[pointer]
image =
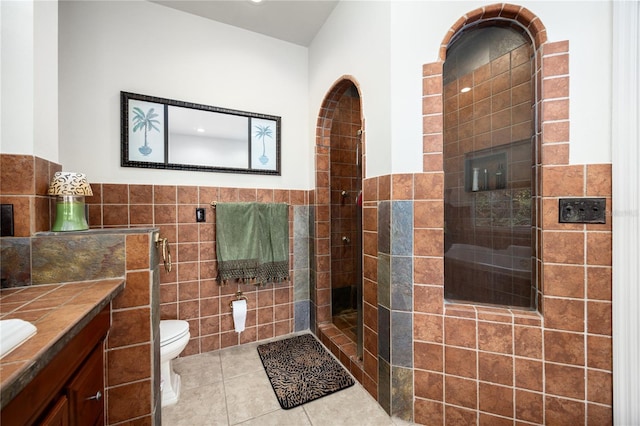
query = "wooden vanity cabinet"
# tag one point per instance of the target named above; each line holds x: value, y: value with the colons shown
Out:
x: 70, y: 388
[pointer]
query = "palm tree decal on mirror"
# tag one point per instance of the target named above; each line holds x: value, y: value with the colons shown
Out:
x: 261, y: 133
x: 148, y: 123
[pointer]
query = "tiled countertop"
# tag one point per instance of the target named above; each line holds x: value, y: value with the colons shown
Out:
x: 59, y: 312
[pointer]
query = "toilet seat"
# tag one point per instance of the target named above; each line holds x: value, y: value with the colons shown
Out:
x: 172, y: 330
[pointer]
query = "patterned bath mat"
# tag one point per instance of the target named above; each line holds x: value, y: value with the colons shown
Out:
x: 300, y: 370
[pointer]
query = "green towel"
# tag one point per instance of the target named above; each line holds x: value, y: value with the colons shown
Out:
x: 274, y: 255
x: 252, y: 242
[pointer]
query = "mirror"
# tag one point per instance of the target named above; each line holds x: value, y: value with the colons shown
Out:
x: 168, y: 134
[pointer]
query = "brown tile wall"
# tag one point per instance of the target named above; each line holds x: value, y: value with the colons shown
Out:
x: 190, y: 291
x: 345, y: 176
x: 493, y: 365
x: 132, y: 354
x: 24, y: 182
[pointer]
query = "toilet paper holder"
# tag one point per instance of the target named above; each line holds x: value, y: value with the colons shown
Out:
x: 239, y: 296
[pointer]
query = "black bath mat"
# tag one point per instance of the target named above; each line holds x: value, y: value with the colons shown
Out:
x: 300, y: 370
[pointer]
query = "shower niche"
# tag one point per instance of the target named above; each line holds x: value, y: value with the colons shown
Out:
x: 485, y: 170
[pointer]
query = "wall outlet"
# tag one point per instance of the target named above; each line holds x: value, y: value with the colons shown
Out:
x: 582, y: 210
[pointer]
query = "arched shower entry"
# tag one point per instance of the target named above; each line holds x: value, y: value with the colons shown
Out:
x: 338, y: 211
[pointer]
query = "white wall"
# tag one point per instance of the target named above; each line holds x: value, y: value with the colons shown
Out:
x: 29, y: 82
x: 17, y: 77
x: 146, y: 48
x: 29, y: 86
x: 413, y: 31
x: 355, y: 41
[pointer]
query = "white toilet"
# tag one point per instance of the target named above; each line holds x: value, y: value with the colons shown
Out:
x: 174, y: 336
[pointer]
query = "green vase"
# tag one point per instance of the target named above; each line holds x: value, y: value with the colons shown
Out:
x: 70, y: 214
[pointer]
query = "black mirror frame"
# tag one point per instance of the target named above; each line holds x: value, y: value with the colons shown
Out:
x: 125, y: 97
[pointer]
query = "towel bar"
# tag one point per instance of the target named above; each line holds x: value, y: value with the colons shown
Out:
x: 213, y: 204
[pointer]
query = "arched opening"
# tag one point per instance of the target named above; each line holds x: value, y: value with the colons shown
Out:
x: 489, y: 164
x: 338, y: 212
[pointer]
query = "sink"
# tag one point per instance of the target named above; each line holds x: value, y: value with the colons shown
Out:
x: 14, y: 332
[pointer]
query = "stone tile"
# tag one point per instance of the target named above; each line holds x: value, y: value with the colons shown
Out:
x: 401, y: 339
x: 295, y: 416
x: 199, y: 370
x: 239, y: 360
x: 401, y: 283
x: 249, y: 395
x: 384, y: 280
x: 347, y: 407
x: 384, y: 227
x: 200, y: 406
x: 402, y: 228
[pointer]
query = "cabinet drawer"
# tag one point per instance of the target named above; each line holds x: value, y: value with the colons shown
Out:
x: 86, y: 391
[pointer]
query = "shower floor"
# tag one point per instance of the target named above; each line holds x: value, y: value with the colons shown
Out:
x: 347, y: 322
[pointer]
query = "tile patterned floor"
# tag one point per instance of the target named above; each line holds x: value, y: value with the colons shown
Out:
x: 230, y: 387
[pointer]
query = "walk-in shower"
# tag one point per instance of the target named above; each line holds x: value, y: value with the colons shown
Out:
x: 346, y: 216
x: 488, y: 157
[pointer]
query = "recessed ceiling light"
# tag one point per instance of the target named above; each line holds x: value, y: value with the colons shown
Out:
x: 200, y: 130
x: 256, y: 1
x: 465, y: 89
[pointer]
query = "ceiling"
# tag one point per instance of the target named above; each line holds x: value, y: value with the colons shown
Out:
x: 295, y: 21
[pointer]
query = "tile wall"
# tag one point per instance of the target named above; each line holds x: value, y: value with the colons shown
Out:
x: 190, y: 291
x: 346, y: 183
x: 474, y: 364
x: 132, y: 347
x: 494, y: 366
x: 24, y: 182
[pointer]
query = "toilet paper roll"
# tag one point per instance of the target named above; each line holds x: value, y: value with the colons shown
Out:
x: 239, y: 314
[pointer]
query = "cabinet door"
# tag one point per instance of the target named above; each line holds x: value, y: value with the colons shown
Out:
x: 59, y: 414
x: 86, y: 391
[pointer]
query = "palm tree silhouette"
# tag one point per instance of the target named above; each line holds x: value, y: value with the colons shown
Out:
x: 263, y: 132
x: 147, y: 122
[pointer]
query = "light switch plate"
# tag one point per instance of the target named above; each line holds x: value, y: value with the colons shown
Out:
x: 200, y: 215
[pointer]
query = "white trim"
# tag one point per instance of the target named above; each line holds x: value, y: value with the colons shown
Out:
x: 625, y: 212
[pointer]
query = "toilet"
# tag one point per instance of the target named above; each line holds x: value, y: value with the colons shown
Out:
x: 174, y: 336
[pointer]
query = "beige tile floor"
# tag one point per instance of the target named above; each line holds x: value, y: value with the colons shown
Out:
x: 230, y: 387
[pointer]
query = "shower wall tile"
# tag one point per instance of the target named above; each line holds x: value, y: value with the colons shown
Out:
x: 384, y: 385
x: 402, y: 228
x: 384, y: 227
x: 495, y: 399
x: 401, y: 283
x: 384, y: 334
x: 384, y: 280
x: 301, y: 315
x: 402, y: 393
x: 401, y: 339
x: 302, y: 286
x: 384, y: 188
x: 402, y: 186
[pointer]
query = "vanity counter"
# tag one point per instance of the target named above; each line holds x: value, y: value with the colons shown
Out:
x: 59, y: 312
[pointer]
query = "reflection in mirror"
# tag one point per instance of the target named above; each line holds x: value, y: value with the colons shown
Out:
x: 167, y: 134
x: 208, y: 138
